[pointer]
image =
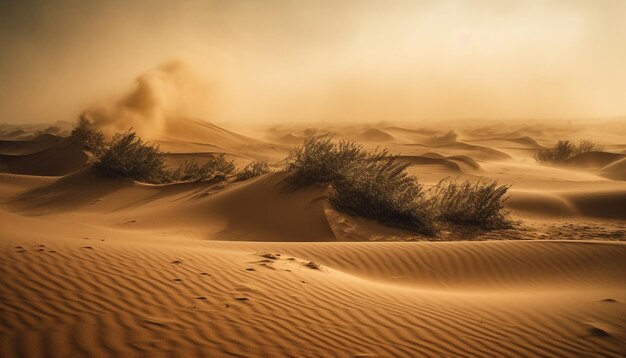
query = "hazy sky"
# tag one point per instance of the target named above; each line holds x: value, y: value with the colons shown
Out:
x: 321, y: 60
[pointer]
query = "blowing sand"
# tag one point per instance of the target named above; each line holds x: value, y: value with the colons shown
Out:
x: 95, y: 266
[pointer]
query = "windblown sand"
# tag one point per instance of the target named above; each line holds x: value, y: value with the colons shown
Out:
x: 96, y: 266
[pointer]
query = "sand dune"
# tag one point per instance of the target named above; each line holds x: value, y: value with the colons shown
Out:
x: 375, y: 135
x: 474, y: 151
x: 25, y: 147
x: 454, y: 163
x: 524, y: 142
x: 121, y: 298
x: 615, y: 170
x: 96, y: 266
x: 65, y: 157
x: 594, y: 160
x: 607, y: 204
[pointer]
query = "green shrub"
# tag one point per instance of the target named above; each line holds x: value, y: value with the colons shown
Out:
x: 479, y: 203
x: 253, y: 170
x: 129, y: 157
x: 565, y: 150
x: 372, y: 185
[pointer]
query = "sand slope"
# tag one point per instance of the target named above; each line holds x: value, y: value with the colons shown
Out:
x: 65, y: 157
x: 129, y: 298
x: 106, y: 267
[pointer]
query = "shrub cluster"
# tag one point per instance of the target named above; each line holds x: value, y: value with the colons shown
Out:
x: 565, y: 150
x: 376, y: 185
x: 128, y: 156
x: 191, y: 170
x: 253, y: 170
x: 480, y: 203
x: 372, y: 185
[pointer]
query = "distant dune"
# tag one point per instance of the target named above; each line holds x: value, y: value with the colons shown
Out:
x: 375, y: 135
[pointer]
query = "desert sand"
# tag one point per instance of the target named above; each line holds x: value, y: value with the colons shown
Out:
x: 95, y: 266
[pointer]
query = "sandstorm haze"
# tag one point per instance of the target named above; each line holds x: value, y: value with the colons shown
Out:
x: 306, y: 61
x: 312, y: 178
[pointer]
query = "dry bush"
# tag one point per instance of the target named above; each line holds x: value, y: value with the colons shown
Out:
x: 253, y: 170
x: 479, y: 203
x: 586, y: 145
x: 128, y: 156
x: 191, y: 170
x: 321, y: 161
x: 565, y: 150
x: 371, y: 185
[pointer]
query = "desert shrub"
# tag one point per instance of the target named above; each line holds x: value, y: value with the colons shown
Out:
x: 371, y: 185
x: 586, y: 145
x: 321, y: 161
x: 565, y: 150
x: 191, y: 170
x: 92, y: 140
x: 220, y: 166
x: 253, y: 170
x: 130, y: 157
x: 479, y: 203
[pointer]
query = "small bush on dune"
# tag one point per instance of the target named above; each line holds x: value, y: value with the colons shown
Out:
x: 586, y: 145
x: 129, y: 157
x: 321, y: 161
x: 379, y: 188
x: 253, y: 170
x: 191, y: 170
x: 565, y: 150
x: 219, y: 165
x: 372, y: 185
x: 479, y: 203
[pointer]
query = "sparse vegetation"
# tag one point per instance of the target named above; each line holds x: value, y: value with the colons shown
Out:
x: 372, y: 185
x: 565, y: 150
x: 479, y: 203
x: 376, y: 185
x: 253, y: 170
x: 130, y: 157
x: 191, y: 170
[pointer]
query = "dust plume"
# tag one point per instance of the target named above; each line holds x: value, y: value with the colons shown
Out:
x: 160, y: 96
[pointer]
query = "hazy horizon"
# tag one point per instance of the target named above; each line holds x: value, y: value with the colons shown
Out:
x: 366, y: 61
